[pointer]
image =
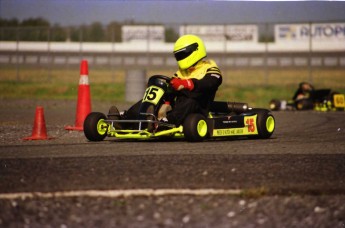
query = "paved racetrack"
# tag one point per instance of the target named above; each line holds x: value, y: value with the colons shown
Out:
x: 294, y: 179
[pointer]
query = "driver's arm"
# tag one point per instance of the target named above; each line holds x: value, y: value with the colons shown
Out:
x: 211, y: 81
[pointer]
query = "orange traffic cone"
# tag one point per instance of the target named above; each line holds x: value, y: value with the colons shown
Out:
x: 84, y: 100
x: 39, y: 131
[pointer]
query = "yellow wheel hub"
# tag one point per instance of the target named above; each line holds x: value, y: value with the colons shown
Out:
x: 202, y: 128
x: 270, y: 124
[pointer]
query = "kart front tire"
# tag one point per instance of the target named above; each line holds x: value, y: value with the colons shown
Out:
x: 195, y: 128
x: 95, y: 129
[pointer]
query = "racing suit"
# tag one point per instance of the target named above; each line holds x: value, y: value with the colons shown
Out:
x: 305, y: 91
x: 206, y: 77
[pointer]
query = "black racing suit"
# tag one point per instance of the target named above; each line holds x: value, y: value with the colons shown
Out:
x: 200, y: 98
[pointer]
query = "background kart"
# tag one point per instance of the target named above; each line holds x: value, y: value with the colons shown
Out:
x: 319, y: 100
x: 226, y: 119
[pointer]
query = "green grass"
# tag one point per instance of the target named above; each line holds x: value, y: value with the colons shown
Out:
x: 32, y: 90
x: 256, y: 87
x: 253, y: 95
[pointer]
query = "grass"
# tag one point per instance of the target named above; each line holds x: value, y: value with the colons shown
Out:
x: 32, y: 90
x: 256, y: 87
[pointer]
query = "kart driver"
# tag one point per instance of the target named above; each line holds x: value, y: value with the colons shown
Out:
x: 196, y: 80
x: 194, y: 84
x: 304, y: 91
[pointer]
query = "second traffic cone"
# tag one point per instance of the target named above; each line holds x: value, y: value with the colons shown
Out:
x: 84, y: 99
x: 39, y: 130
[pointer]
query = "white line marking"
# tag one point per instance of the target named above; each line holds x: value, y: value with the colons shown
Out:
x: 120, y: 193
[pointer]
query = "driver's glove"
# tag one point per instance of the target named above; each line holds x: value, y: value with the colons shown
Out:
x: 179, y: 84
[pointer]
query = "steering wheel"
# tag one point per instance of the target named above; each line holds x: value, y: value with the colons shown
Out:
x: 163, y: 77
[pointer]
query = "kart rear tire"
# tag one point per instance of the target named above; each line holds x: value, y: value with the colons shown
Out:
x: 275, y: 105
x: 304, y: 104
x: 95, y: 129
x: 195, y: 128
x: 265, y: 123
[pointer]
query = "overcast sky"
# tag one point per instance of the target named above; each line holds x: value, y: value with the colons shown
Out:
x: 76, y: 12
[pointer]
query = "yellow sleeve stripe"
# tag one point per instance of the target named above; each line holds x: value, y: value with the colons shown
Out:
x: 213, y: 70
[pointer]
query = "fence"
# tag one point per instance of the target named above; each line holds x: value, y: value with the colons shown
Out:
x: 52, y: 49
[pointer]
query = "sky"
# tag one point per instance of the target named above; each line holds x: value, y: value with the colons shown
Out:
x: 78, y: 12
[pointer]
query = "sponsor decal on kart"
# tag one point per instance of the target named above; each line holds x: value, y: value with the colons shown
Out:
x: 228, y: 132
x: 249, y: 129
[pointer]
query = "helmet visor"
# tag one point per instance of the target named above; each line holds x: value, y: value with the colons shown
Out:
x: 185, y: 52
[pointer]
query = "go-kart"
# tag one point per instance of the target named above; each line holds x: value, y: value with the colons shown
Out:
x: 225, y: 119
x: 319, y: 100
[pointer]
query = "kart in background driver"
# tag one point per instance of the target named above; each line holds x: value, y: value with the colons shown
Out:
x: 320, y: 100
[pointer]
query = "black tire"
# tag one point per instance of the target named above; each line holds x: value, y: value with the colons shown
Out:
x: 304, y: 104
x: 275, y: 105
x: 94, y: 127
x: 265, y: 123
x: 195, y: 128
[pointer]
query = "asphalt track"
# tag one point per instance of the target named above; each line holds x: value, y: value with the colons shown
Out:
x: 294, y: 179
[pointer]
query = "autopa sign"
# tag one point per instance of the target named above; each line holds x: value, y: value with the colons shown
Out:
x: 295, y: 32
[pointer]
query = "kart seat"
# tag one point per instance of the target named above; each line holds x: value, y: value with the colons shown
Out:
x: 320, y: 95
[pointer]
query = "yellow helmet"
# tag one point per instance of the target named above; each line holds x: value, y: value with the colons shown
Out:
x: 188, y: 50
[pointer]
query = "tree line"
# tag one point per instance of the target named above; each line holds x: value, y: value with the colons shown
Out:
x: 39, y: 29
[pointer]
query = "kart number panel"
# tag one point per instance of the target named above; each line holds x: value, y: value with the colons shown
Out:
x: 153, y: 94
x: 339, y: 100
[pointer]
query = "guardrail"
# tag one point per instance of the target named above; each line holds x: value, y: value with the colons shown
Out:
x: 142, y: 54
x: 154, y: 60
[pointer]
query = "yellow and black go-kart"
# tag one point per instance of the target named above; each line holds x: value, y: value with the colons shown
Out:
x: 323, y: 100
x: 226, y: 119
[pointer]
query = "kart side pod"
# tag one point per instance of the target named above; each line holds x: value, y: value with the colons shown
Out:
x: 255, y: 123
